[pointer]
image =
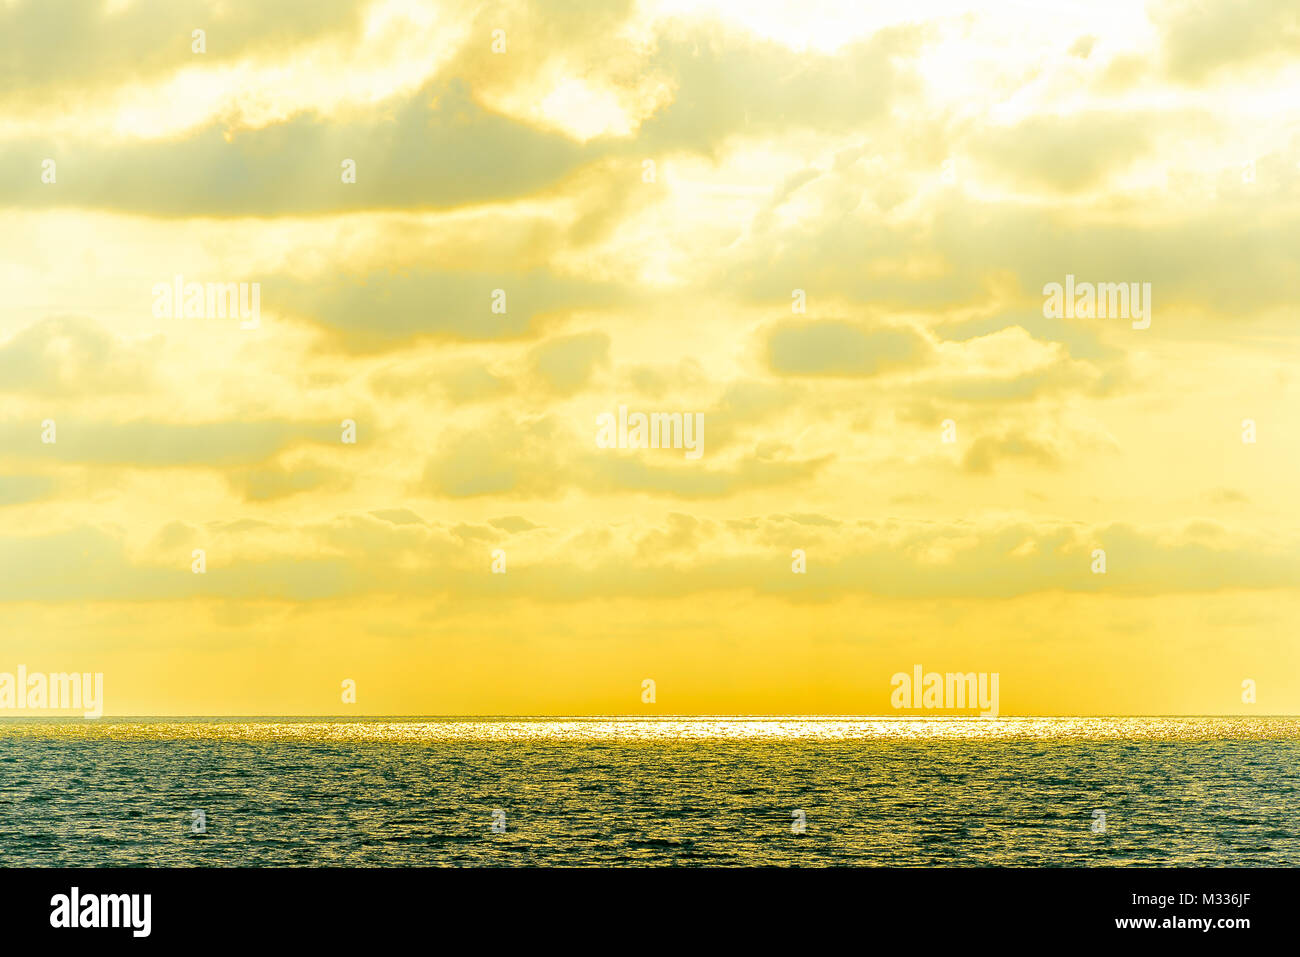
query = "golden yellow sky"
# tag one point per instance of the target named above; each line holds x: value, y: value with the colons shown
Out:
x: 657, y: 189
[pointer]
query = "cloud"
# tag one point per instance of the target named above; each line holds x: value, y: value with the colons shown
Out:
x: 782, y: 165
x: 1082, y: 46
x: 987, y: 451
x: 398, y: 516
x: 72, y: 355
x: 748, y: 407
x: 514, y: 524
x: 152, y: 444
x: 832, y: 347
x: 1227, y: 496
x: 52, y: 45
x: 1201, y: 38
x: 278, y: 482
x: 1207, y: 258
x: 19, y: 489
x: 175, y: 535
x: 975, y: 375
x: 475, y: 533
x: 502, y: 458
x: 541, y: 458
x: 1070, y: 152
x: 1226, y: 257
x: 436, y: 149
x: 808, y: 518
x: 656, y: 382
x: 566, y: 364
x: 463, y: 383
x: 383, y: 311
x: 355, y: 556
x: 733, y: 84
x: 615, y: 474
x: 1080, y: 340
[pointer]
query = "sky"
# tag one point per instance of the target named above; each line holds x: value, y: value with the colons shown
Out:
x: 823, y: 230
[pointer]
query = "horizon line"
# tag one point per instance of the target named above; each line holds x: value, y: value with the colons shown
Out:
x: 648, y: 717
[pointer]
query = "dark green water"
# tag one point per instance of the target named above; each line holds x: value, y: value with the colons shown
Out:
x: 673, y: 792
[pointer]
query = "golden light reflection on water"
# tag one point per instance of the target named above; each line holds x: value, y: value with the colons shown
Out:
x: 662, y: 729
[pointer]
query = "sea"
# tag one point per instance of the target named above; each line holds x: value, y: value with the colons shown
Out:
x: 652, y: 792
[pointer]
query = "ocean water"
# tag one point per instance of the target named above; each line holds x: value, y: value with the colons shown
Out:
x: 688, y: 791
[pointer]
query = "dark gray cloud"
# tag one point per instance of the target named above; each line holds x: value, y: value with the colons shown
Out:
x: 87, y: 563
x: 1067, y: 153
x: 731, y: 84
x: 988, y: 450
x: 72, y: 355
x: 539, y: 458
x: 1202, y: 37
x: 382, y: 311
x: 49, y: 46
x: 566, y: 363
x: 833, y: 347
x: 151, y: 444
x: 18, y: 489
x: 440, y: 148
x: 1221, y: 256
x: 273, y: 482
x: 435, y: 149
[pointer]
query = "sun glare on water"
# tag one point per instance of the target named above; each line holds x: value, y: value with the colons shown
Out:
x: 665, y: 729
